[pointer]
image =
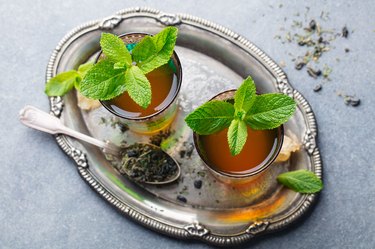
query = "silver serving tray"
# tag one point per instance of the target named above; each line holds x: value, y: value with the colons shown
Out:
x: 213, y: 59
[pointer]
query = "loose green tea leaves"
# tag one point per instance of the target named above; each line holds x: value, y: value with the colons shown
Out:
x: 114, y: 48
x: 237, y: 135
x: 62, y: 83
x: 164, y: 44
x: 316, y: 39
x: 245, y: 95
x: 103, y: 82
x: 138, y: 86
x: 302, y: 181
x: 270, y: 111
x: 144, y: 163
x: 211, y: 117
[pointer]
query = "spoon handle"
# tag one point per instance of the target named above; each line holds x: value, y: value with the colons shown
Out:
x: 40, y: 120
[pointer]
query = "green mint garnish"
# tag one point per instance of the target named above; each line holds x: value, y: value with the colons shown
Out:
x: 237, y: 135
x: 245, y: 96
x: 270, y: 111
x: 64, y: 82
x: 114, y: 49
x: 84, y: 68
x: 260, y: 112
x: 143, y: 49
x: 211, y: 117
x: 138, y: 86
x: 120, y: 70
x: 155, y: 51
x: 302, y: 181
x: 103, y: 82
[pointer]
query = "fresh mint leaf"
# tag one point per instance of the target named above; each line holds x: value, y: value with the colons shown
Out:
x: 144, y: 49
x: 245, y: 96
x: 84, y: 68
x: 237, y: 135
x: 103, y: 82
x: 164, y: 45
x: 138, y: 86
x: 119, y: 65
x: 62, y: 83
x: 302, y: 181
x: 114, y: 48
x: 270, y: 111
x: 211, y: 117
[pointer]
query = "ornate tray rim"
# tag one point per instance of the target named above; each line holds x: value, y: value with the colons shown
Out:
x: 194, y: 230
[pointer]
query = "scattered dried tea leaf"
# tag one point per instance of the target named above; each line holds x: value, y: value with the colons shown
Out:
x: 201, y: 173
x: 299, y: 65
x: 313, y: 73
x: 315, y: 41
x: 181, y: 198
x: 158, y: 138
x: 198, y: 184
x: 87, y: 104
x: 143, y: 163
x: 326, y: 71
x: 317, y: 88
x: 351, y: 100
x: 345, y: 32
x: 289, y: 145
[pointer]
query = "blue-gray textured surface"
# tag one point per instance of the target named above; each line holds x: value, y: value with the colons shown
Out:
x: 45, y: 204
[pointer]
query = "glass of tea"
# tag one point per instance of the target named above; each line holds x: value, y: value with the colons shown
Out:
x: 260, y: 150
x: 165, y: 85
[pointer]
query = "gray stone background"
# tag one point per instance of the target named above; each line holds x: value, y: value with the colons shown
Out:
x: 45, y: 204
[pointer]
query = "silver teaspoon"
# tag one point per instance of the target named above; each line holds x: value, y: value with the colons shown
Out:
x: 42, y: 121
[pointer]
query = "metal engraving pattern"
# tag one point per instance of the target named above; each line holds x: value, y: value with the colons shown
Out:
x: 168, y: 19
x: 110, y: 22
x: 257, y: 227
x: 195, y: 229
x: 56, y: 106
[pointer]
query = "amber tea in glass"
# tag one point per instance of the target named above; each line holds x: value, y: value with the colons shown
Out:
x: 165, y: 84
x: 260, y: 150
x: 257, y: 150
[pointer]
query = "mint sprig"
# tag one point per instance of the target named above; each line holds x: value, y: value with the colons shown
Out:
x: 260, y: 112
x: 302, y: 181
x: 120, y: 70
x: 66, y: 81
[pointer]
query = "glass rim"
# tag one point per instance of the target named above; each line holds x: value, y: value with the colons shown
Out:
x: 179, y: 83
x: 252, y: 172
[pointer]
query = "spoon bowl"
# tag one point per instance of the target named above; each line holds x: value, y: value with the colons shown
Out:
x: 42, y: 121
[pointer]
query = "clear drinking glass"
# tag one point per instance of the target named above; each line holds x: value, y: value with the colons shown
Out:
x: 163, y: 116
